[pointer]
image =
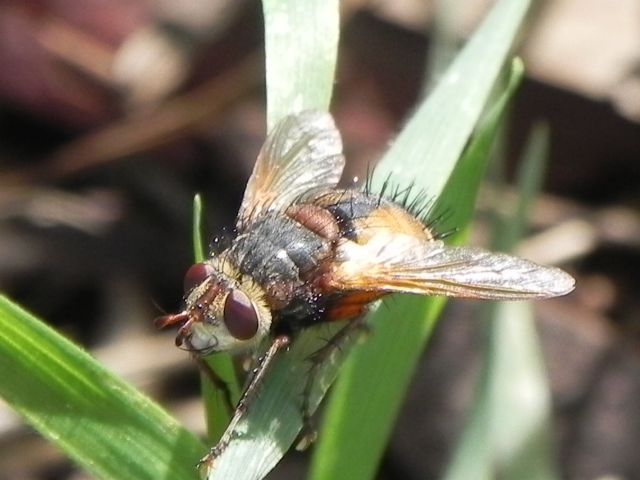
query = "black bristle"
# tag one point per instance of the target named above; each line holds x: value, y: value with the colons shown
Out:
x: 416, y: 201
x: 367, y: 181
x: 385, y: 185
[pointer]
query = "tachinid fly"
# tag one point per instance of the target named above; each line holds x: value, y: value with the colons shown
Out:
x: 306, y: 252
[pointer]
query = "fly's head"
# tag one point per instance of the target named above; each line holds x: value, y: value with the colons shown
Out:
x: 223, y: 311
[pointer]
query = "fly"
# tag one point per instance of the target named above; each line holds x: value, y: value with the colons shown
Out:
x: 306, y: 252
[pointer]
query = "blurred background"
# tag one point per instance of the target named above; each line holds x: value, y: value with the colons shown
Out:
x: 114, y: 113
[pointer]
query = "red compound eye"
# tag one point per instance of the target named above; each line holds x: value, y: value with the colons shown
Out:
x: 240, y: 315
x: 196, y: 274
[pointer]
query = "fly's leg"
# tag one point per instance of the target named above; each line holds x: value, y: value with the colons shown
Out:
x: 279, y: 343
x: 317, y: 359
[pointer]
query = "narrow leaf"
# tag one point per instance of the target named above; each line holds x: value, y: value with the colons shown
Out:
x: 273, y: 422
x: 530, y: 177
x: 102, y: 423
x: 301, y: 50
x: 508, y: 434
x: 428, y: 148
x: 217, y: 408
x: 373, y: 382
x: 301, y: 41
x: 198, y: 248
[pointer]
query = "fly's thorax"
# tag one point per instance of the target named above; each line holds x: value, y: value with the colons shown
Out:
x: 279, y: 248
x: 224, y: 310
x: 317, y: 219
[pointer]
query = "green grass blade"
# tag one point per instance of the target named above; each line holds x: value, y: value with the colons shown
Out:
x: 301, y: 50
x: 444, y: 42
x: 217, y: 410
x: 372, y: 384
x: 102, y: 423
x: 273, y: 422
x: 521, y: 401
x: 428, y: 148
x: 459, y: 196
x: 198, y: 248
x: 530, y: 177
x: 301, y: 41
x: 353, y: 442
x: 523, y: 442
x: 508, y: 435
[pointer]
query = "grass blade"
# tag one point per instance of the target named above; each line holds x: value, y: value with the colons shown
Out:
x: 458, y: 198
x: 352, y: 442
x: 301, y: 41
x: 530, y: 177
x: 500, y: 439
x: 273, y: 422
x: 217, y: 410
x: 427, y: 149
x: 102, y: 423
x: 301, y: 50
x: 198, y: 247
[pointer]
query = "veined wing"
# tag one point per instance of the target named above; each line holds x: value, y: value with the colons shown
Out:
x: 302, y: 153
x: 401, y: 263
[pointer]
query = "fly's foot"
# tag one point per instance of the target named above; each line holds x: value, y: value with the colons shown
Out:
x: 307, y: 435
x: 207, y: 463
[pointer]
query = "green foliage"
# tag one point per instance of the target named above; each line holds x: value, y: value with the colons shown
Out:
x: 217, y: 409
x: 105, y: 425
x: 301, y: 41
x: 373, y: 382
x: 499, y: 441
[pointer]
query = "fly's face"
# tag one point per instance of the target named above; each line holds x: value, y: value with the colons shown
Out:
x: 221, y: 313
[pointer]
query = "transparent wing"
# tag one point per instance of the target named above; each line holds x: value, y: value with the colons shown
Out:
x: 400, y: 263
x: 302, y: 153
